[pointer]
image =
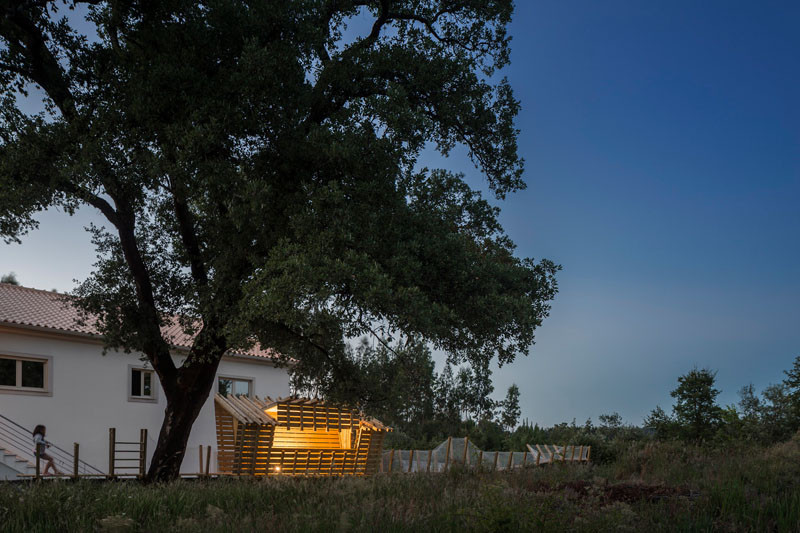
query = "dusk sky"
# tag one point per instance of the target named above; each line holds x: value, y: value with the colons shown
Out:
x: 662, y: 142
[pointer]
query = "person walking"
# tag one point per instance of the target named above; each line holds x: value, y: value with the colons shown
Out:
x: 40, y: 450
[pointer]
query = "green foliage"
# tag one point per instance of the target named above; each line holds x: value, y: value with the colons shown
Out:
x: 664, y: 425
x: 772, y: 417
x: 486, y: 434
x: 695, y: 415
x: 10, y: 278
x: 792, y: 386
x: 608, y: 440
x: 267, y: 180
x: 259, y: 176
x: 510, y: 408
x: 398, y: 385
x: 696, y: 411
x: 649, y: 487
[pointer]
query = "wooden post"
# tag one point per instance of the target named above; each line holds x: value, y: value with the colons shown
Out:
x: 254, y: 453
x: 572, y: 458
x: 200, y: 450
x: 112, y: 442
x: 480, y: 459
x: 588, y: 453
x: 391, y: 460
x: 564, y: 454
x: 538, y: 454
x: 466, y: 447
x: 510, y: 460
x: 430, y: 455
x: 524, y: 458
x: 447, y: 454
x: 142, y: 452
x: 208, y: 459
x: 496, y: 455
x: 530, y: 449
x: 75, y: 450
x: 410, y: 461
x: 580, y: 454
x: 38, y: 465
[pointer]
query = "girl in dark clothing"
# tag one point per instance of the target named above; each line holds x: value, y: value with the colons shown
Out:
x: 40, y: 449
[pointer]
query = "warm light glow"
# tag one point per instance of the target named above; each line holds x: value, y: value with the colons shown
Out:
x: 277, y: 468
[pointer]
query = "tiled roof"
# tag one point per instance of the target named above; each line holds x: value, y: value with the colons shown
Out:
x: 50, y: 310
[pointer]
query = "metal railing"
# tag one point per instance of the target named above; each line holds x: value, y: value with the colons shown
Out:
x: 19, y: 440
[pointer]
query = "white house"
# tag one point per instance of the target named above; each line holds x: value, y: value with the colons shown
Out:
x: 53, y: 372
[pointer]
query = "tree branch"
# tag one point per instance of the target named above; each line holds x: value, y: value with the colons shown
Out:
x: 22, y: 34
x: 154, y: 345
x: 186, y: 228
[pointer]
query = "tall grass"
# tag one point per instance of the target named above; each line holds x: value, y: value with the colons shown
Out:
x: 650, y: 487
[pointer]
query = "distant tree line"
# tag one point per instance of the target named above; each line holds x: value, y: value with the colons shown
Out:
x: 772, y: 416
x: 398, y: 384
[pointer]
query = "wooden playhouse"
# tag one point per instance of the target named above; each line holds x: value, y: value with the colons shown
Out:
x: 294, y: 436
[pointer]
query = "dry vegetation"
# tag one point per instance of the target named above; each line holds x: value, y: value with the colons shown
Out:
x: 653, y: 487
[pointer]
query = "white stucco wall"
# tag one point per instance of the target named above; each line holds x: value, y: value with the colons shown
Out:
x: 90, y: 395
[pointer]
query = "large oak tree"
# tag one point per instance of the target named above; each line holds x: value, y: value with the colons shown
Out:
x: 257, y: 166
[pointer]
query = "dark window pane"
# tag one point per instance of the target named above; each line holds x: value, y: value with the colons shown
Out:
x: 33, y: 374
x: 148, y: 389
x: 136, y: 383
x: 225, y: 386
x: 8, y: 372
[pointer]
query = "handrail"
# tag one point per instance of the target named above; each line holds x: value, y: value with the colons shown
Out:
x: 64, y: 457
x: 20, y: 447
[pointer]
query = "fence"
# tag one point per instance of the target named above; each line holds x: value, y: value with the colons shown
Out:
x: 458, y: 451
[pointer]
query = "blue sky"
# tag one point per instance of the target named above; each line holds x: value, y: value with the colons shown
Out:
x: 662, y: 142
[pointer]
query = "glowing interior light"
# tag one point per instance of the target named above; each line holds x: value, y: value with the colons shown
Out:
x: 277, y: 468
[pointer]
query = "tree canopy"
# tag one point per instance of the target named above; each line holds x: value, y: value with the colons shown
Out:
x: 10, y: 278
x: 258, y: 168
x: 695, y: 415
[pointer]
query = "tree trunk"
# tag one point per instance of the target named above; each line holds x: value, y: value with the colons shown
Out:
x: 184, y: 403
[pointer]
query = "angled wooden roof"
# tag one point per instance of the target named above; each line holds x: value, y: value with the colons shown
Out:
x: 374, y: 424
x: 245, y: 409
x: 253, y: 410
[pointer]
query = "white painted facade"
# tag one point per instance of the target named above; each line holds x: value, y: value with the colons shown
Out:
x: 90, y: 392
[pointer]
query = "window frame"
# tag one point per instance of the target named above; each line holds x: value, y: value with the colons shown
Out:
x: 154, y: 385
x: 47, y: 378
x: 251, y: 380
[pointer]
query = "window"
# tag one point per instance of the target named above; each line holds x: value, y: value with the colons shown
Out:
x: 24, y: 373
x: 142, y: 383
x: 235, y: 386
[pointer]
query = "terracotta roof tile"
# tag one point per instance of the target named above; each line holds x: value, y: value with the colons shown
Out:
x: 50, y: 310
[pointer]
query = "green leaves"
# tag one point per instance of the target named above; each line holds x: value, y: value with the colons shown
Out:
x: 258, y: 168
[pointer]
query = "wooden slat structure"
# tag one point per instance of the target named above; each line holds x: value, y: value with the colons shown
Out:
x: 294, y: 436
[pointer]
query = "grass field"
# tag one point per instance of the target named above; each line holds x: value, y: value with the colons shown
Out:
x: 650, y: 487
